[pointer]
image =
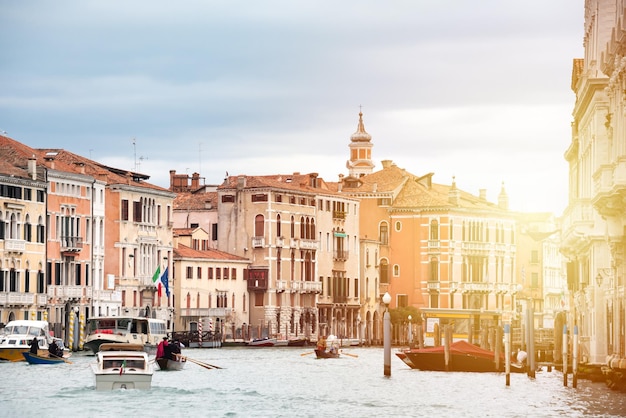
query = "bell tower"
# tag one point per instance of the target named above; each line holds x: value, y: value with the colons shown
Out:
x: 360, y: 162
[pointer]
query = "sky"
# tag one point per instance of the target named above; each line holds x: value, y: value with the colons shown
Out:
x: 475, y: 91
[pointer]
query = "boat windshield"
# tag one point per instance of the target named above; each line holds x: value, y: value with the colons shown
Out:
x: 24, y: 330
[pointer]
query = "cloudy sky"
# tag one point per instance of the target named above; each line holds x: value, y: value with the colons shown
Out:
x: 476, y: 90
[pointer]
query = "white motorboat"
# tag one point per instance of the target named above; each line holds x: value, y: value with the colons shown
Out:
x: 15, y: 338
x: 125, y: 329
x: 122, y: 366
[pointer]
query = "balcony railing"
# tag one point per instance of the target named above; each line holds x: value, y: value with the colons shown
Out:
x: 281, y: 285
x: 258, y: 242
x: 341, y: 255
x: 206, y: 312
x: 339, y: 214
x: 71, y: 243
x: 308, y: 244
x: 66, y: 292
x: 15, y: 245
x: 17, y: 298
x: 280, y: 241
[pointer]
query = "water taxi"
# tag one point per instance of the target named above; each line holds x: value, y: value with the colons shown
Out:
x: 15, y: 338
x: 122, y: 366
x: 147, y: 332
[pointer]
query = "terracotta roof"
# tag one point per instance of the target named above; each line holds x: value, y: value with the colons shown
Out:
x: 294, y: 182
x: 14, y: 158
x: 195, y: 201
x: 411, y: 191
x: 64, y: 160
x: 182, y: 251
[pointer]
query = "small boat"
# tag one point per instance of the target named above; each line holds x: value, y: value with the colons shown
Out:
x: 125, y: 329
x: 177, y: 363
x: 42, y: 358
x: 16, y: 337
x: 262, y: 342
x: 328, y: 348
x: 122, y: 366
x: 463, y: 357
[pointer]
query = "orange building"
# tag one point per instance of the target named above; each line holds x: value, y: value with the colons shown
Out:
x: 437, y: 246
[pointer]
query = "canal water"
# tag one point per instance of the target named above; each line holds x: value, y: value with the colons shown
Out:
x: 290, y: 382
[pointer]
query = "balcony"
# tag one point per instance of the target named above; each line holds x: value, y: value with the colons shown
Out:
x: 475, y: 247
x: 281, y: 285
x: 280, y: 242
x: 17, y: 298
x: 66, y: 292
x: 206, y: 312
x: 258, y: 242
x: 339, y: 214
x: 15, y: 245
x: 340, y: 255
x: 71, y: 244
x: 109, y: 296
x: 310, y: 287
x: 433, y: 286
x: 308, y: 244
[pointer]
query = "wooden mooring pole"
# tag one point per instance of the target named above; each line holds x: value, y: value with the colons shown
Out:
x: 507, y: 353
x: 564, y: 355
x: 575, y: 358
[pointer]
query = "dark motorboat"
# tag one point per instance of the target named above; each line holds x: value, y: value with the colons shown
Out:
x: 463, y: 357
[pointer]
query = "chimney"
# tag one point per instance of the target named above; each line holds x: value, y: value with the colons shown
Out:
x: 454, y: 194
x: 32, y: 167
x: 195, y: 181
x: 386, y: 163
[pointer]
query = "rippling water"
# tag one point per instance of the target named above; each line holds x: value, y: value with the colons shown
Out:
x: 288, y: 382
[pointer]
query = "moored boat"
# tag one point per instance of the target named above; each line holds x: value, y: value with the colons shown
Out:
x: 122, y: 366
x: 297, y: 342
x: 17, y: 336
x: 262, y: 342
x: 125, y: 329
x: 463, y: 357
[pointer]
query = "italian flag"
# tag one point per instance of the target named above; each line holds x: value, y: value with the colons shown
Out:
x: 122, y: 367
x: 161, y: 281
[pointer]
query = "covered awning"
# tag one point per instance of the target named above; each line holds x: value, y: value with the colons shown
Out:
x: 340, y: 234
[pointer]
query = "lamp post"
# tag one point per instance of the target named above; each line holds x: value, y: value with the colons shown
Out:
x: 387, y: 334
x: 410, y: 331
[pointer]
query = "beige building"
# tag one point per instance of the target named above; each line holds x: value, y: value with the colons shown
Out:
x: 594, y: 220
x: 22, y: 233
x: 300, y: 237
x: 209, y: 286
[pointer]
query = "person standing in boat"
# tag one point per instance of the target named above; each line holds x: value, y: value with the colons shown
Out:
x: 174, y: 350
x: 34, y: 346
x: 55, y: 350
x: 160, y: 353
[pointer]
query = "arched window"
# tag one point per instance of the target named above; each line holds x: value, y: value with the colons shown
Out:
x: 293, y: 227
x: 434, y: 230
x: 384, y: 271
x: 278, y: 226
x: 384, y: 233
x: 259, y: 224
x: 302, y: 232
x: 434, y: 270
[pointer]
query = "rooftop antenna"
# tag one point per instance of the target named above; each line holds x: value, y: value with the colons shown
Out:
x: 199, y: 157
x: 135, y: 153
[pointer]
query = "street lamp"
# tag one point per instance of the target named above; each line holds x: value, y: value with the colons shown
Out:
x: 387, y: 334
x: 599, y: 280
x: 410, y: 331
